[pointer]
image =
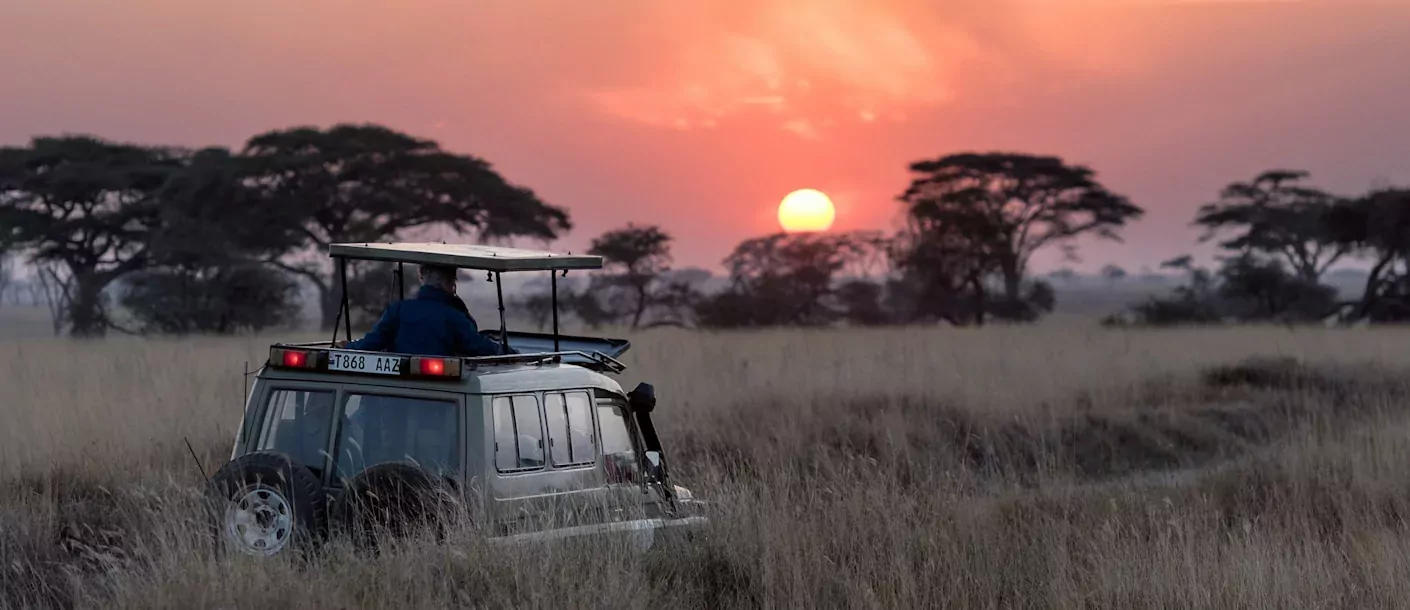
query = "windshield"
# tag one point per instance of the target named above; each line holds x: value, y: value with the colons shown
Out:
x: 378, y: 429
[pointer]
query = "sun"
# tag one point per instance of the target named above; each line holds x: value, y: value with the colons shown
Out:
x: 806, y: 210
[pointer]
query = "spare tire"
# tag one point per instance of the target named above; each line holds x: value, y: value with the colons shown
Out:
x: 266, y: 502
x: 392, y: 498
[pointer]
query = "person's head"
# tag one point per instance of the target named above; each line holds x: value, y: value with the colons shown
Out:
x: 438, y: 276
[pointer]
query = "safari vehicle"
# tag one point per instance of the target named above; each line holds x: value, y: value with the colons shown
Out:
x: 540, y: 444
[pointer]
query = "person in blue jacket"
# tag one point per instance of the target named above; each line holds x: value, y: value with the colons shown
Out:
x: 435, y: 323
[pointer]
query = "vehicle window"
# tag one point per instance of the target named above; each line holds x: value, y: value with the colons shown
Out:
x: 300, y: 422
x: 570, y: 437
x: 518, y: 439
x: 617, y: 451
x: 379, y: 429
x: 580, y: 429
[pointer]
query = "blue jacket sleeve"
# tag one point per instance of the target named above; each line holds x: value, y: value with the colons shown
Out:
x: 383, y: 335
x: 469, y: 341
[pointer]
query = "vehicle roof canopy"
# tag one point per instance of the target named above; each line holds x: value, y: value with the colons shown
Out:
x: 465, y: 256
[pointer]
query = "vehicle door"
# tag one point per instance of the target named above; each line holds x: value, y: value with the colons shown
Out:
x: 378, y: 424
x: 623, y: 456
x: 544, y: 455
x: 295, y: 418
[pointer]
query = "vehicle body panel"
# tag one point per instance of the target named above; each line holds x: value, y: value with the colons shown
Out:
x: 518, y: 504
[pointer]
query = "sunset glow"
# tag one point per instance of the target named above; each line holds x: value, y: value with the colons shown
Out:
x: 806, y: 210
x: 699, y: 116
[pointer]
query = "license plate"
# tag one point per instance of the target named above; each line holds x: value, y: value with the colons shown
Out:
x: 355, y: 362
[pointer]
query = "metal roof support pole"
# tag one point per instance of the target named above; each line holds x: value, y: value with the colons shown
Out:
x: 342, y: 268
x: 401, y: 281
x: 347, y: 303
x: 392, y: 290
x: 553, y: 282
x: 503, y: 327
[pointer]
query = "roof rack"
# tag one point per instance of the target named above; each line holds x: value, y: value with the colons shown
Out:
x: 466, y: 256
x: 494, y: 259
x: 598, y: 359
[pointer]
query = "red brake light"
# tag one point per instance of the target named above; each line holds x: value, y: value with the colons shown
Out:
x: 433, y: 366
x: 295, y: 359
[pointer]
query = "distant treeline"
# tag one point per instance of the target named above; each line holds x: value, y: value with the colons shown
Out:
x: 215, y: 241
x: 1280, y: 237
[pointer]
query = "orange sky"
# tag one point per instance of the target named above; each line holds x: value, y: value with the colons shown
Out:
x: 700, y: 115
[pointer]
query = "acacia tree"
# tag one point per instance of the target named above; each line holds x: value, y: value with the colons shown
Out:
x: 366, y: 183
x: 1275, y: 216
x: 1254, y: 288
x: 1012, y: 205
x: 83, y: 209
x: 206, y: 253
x: 634, y: 259
x: 784, y: 280
x: 1113, y: 273
x: 1378, y: 224
x: 943, y: 259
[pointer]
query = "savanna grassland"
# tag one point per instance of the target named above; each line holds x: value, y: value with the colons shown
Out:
x: 1043, y: 467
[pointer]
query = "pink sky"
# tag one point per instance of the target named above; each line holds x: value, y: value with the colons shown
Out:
x: 699, y: 115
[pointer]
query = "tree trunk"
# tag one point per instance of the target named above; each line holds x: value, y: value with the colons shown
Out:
x: 1013, y: 280
x: 1304, y: 267
x: 1373, y: 280
x: 329, y: 302
x: 1309, y: 274
x: 640, y: 307
x: 85, y: 311
x: 980, y: 300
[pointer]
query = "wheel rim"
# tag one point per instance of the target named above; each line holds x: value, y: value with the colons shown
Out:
x: 259, y: 521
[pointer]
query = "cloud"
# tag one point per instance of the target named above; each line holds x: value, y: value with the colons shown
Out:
x: 867, y: 62
x: 800, y: 61
x: 802, y: 128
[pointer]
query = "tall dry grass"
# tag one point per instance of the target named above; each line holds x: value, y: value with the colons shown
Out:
x: 994, y: 468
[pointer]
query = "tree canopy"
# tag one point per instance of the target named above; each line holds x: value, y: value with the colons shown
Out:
x: 998, y: 209
x: 1276, y: 216
x: 1378, y: 225
x: 634, y: 259
x: 206, y: 253
x: 91, y: 213
x: 364, y: 183
x: 88, y: 208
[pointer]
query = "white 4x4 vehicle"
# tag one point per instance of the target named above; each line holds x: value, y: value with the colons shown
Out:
x: 541, y: 444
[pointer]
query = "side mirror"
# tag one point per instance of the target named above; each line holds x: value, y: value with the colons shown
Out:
x: 656, y: 466
x: 658, y: 475
x: 643, y: 398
